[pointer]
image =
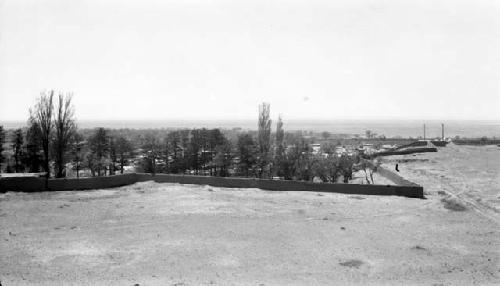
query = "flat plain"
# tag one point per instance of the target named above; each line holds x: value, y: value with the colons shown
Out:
x: 170, y: 234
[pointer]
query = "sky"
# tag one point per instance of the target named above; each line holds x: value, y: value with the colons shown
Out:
x: 130, y: 60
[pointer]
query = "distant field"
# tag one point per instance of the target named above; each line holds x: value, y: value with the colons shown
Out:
x: 169, y: 234
x: 470, y: 172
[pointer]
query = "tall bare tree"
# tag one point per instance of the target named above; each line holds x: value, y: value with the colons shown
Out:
x: 64, y: 123
x: 264, y: 137
x: 41, y: 114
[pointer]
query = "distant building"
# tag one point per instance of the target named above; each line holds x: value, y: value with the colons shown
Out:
x: 340, y: 150
x: 316, y: 148
x: 368, y: 148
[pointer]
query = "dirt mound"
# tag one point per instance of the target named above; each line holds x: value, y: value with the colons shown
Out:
x: 453, y: 204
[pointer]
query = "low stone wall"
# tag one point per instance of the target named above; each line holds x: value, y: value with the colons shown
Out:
x: 31, y: 184
x: 394, y: 177
x: 407, y: 151
x: 413, y: 144
x: 413, y: 191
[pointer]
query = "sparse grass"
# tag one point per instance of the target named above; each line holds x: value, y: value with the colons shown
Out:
x: 418, y: 247
x: 453, y: 204
x: 353, y: 263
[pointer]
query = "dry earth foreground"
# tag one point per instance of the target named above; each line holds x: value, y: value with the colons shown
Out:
x: 170, y: 234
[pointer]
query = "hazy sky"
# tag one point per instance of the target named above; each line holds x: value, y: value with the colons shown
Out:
x: 220, y: 59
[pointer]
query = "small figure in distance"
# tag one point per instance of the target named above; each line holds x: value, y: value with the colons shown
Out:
x: 397, y: 167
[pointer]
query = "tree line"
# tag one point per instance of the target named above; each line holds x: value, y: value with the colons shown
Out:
x: 53, y: 144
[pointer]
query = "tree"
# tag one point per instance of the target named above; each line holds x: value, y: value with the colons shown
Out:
x: 90, y: 161
x: 64, y: 124
x: 99, y: 148
x: 327, y: 169
x: 329, y: 147
x: 264, y: 137
x: 300, y: 163
x: 346, y: 167
x: 176, y: 143
x: 222, y: 159
x: 195, y: 148
x: 42, y: 116
x: 76, y: 146
x: 113, y: 156
x: 368, y: 134
x: 152, y: 148
x: 215, y: 140
x: 17, y: 147
x: 124, y: 151
x: 369, y: 166
x: 33, y: 148
x: 364, y: 165
x: 247, y: 151
x: 2, y: 140
x: 325, y: 135
x: 280, y: 148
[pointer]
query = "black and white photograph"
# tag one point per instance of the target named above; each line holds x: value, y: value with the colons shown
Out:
x: 249, y: 142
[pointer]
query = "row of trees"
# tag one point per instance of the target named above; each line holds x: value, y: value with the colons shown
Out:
x: 50, y: 128
x: 262, y: 155
x: 52, y: 140
x: 52, y: 143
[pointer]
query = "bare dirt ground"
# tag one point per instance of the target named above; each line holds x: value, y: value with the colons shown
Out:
x: 169, y: 234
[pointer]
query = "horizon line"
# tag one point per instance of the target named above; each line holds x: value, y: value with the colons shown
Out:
x: 251, y: 119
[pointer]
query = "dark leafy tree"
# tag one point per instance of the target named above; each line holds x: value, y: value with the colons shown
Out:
x: 90, y: 161
x: 176, y: 143
x: 222, y: 159
x: 113, y: 156
x: 325, y: 135
x: 33, y: 148
x: 2, y: 141
x: 329, y: 147
x: 215, y: 140
x: 124, y: 151
x: 17, y: 148
x: 99, y: 149
x: 195, y: 150
x: 152, y: 147
x: 346, y: 164
x: 247, y: 153
x: 77, y: 156
x: 327, y: 169
x: 300, y: 157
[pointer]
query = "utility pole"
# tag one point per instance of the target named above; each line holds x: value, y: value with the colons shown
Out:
x: 424, y: 131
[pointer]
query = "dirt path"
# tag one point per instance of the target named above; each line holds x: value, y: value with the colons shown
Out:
x: 165, y: 234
